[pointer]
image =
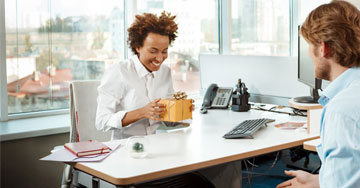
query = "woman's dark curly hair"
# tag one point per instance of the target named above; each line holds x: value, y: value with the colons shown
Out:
x: 150, y: 23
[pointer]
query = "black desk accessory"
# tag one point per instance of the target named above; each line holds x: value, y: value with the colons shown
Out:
x: 240, y: 98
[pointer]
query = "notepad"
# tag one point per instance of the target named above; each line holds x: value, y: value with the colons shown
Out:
x: 86, y: 148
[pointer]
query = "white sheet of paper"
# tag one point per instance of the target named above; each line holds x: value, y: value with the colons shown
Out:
x: 63, y: 155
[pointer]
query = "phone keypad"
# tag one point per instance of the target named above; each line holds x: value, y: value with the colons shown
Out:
x: 222, y: 98
x: 220, y: 101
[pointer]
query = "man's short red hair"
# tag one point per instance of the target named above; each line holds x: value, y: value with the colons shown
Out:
x: 338, y: 25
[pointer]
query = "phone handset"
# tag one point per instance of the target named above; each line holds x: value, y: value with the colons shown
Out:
x: 208, y: 98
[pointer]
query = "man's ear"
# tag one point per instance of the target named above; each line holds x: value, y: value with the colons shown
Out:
x: 324, y: 49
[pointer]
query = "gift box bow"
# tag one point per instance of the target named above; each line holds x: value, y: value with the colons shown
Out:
x: 180, y: 95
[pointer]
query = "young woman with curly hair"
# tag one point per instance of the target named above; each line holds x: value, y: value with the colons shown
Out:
x: 130, y: 90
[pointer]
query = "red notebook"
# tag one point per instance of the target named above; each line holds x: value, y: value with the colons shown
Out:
x: 86, y: 148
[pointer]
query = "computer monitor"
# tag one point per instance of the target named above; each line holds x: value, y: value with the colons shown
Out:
x: 306, y: 73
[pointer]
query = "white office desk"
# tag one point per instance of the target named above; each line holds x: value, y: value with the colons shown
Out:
x: 198, y: 146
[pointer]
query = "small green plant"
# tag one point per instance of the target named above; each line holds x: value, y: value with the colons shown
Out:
x: 138, y: 147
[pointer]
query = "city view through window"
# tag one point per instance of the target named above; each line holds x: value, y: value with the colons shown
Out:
x: 260, y: 27
x: 50, y: 43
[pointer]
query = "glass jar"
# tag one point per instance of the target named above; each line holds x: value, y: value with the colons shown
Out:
x: 138, y: 146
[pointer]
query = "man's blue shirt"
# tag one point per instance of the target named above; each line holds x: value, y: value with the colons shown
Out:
x: 339, y: 150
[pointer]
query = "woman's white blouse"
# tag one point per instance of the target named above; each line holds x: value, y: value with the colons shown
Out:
x: 128, y: 86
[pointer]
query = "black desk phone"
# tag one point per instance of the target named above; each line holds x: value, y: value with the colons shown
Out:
x: 216, y: 97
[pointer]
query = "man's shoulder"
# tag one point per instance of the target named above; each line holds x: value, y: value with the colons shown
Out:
x: 347, y: 101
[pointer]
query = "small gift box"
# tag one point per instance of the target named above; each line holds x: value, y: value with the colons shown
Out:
x: 178, y: 108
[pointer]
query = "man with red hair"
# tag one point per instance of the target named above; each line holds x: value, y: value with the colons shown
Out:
x: 333, y: 33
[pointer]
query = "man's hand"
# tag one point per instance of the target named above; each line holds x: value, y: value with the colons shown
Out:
x: 301, y: 179
x: 153, y: 110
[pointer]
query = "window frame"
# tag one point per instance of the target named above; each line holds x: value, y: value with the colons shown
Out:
x: 3, y: 84
x: 293, y: 29
x: 224, y: 36
x: 224, y: 26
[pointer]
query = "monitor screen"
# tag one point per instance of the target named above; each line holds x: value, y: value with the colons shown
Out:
x: 306, y: 73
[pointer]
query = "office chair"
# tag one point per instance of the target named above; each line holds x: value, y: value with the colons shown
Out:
x: 83, y: 104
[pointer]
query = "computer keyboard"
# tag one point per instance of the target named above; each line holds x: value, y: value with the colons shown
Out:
x: 247, y: 128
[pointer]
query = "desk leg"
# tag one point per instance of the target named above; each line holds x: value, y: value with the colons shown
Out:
x: 82, y: 179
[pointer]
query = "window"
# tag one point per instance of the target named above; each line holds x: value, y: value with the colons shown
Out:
x: 260, y: 27
x: 51, y: 43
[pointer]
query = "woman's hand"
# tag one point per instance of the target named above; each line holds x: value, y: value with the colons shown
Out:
x: 153, y: 110
x: 193, y: 105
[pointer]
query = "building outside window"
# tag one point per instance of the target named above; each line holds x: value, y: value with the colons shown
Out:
x: 260, y: 27
x: 51, y: 43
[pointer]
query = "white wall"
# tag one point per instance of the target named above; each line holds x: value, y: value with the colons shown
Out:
x: 269, y: 76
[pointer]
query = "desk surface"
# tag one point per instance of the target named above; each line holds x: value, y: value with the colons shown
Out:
x: 198, y: 146
x: 311, y: 144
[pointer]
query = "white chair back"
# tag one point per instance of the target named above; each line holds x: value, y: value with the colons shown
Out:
x: 83, y: 104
